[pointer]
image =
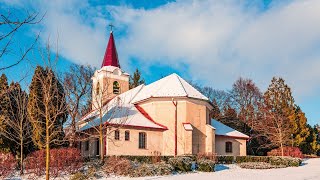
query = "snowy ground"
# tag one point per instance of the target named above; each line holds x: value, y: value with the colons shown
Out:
x: 310, y: 170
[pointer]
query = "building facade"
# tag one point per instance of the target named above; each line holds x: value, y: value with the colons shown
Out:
x: 167, y: 117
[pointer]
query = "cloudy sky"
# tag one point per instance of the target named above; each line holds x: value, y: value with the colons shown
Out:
x: 211, y: 42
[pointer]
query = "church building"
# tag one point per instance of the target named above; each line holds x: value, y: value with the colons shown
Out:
x: 167, y: 117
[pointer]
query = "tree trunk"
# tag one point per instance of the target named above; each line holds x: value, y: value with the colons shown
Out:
x: 21, y: 156
x: 281, y: 146
x: 47, y: 150
x: 101, y: 145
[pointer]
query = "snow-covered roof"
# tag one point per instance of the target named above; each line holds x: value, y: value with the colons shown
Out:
x: 169, y: 86
x: 225, y: 130
x: 121, y: 111
x: 124, y: 108
x: 187, y: 126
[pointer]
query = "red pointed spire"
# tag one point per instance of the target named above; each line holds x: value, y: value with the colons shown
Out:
x: 111, y: 55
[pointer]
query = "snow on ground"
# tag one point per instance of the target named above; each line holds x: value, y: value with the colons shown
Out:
x: 310, y: 170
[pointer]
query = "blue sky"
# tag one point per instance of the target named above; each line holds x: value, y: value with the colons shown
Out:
x: 212, y: 42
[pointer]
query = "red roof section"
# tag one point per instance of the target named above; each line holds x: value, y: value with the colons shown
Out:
x: 111, y: 55
x: 145, y: 114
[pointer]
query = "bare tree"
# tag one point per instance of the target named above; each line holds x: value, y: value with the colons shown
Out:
x: 77, y: 85
x: 246, y: 96
x: 18, y: 128
x: 47, y: 107
x: 10, y: 25
x: 109, y: 113
x: 274, y: 126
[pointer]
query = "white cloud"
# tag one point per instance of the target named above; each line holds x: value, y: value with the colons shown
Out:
x: 218, y: 40
x: 221, y: 41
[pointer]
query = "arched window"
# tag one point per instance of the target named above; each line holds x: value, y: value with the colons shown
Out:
x: 117, y: 135
x: 98, y: 88
x: 228, y: 147
x: 116, y: 87
x: 127, y: 135
x: 142, y: 140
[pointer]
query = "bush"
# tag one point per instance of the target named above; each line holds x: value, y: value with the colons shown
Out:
x: 206, y: 165
x: 259, y: 165
x: 241, y: 159
x: 210, y: 156
x: 157, y: 169
x: 181, y: 164
x: 79, y: 176
x: 63, y: 160
x: 147, y: 159
x: 7, y: 164
x: 118, y: 165
x: 285, y: 161
x: 225, y: 159
x: 287, y: 151
x: 273, y: 160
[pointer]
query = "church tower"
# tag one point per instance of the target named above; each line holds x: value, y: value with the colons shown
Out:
x: 110, y: 80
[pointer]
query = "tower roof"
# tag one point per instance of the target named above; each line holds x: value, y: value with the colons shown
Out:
x: 111, y: 56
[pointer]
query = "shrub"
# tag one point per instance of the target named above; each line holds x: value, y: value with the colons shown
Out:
x: 63, y: 160
x: 259, y: 165
x: 287, y: 151
x: 79, y: 176
x: 206, y: 165
x: 181, y: 164
x: 285, y: 161
x: 273, y: 160
x: 7, y: 164
x: 241, y: 159
x: 157, y: 169
x: 225, y: 159
x: 118, y: 165
x: 210, y: 156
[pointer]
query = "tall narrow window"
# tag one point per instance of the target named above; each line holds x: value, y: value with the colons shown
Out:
x: 116, y: 134
x: 228, y: 147
x: 98, y: 88
x: 127, y: 135
x: 142, y: 140
x: 116, y: 87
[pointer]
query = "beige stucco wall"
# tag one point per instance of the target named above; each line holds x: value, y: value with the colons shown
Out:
x: 191, y: 111
x: 238, y: 146
x: 131, y: 147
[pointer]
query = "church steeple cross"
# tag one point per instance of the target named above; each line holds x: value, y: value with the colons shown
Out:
x: 111, y: 26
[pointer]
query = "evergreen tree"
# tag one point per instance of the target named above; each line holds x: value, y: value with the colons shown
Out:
x: 136, y: 79
x: 310, y: 145
x: 279, y: 98
x: 47, y: 108
x: 215, y: 111
x: 18, y: 131
x: 299, y: 128
x: 4, y: 101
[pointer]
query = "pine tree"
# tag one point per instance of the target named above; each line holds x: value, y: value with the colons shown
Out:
x: 136, y: 79
x: 4, y: 101
x: 18, y: 131
x: 279, y: 98
x: 299, y: 128
x: 47, y: 108
x: 216, y: 114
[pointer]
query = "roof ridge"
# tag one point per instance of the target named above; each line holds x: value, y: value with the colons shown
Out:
x: 184, y: 89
